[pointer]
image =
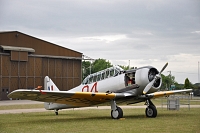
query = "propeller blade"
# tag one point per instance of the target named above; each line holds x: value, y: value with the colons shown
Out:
x: 148, y: 87
x: 163, y: 68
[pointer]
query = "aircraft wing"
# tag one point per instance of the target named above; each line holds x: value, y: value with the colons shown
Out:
x: 81, y: 99
x: 166, y: 93
x: 78, y: 99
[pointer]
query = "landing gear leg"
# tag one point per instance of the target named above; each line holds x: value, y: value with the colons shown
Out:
x: 151, y: 110
x: 56, y: 111
x: 116, y: 112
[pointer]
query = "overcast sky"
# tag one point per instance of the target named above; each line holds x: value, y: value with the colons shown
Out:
x: 146, y: 32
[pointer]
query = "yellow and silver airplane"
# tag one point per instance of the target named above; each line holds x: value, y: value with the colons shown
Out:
x: 112, y: 85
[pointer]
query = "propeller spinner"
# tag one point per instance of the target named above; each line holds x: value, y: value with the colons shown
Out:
x: 157, y: 76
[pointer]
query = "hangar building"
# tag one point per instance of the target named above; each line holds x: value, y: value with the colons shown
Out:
x: 26, y: 60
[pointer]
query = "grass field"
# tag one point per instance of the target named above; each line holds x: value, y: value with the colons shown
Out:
x: 98, y: 121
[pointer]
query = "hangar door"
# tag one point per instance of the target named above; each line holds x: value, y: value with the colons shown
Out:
x: 30, y: 72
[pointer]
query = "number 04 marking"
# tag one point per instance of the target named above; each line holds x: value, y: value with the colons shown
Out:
x: 93, y: 89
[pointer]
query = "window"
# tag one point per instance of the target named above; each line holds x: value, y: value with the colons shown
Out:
x: 102, y: 75
x: 112, y: 72
x: 95, y: 77
x: 116, y: 72
x: 98, y: 76
x: 91, y: 79
x: 107, y: 73
x: 85, y: 81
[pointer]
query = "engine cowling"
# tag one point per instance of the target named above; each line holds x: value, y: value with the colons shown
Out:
x: 145, y: 75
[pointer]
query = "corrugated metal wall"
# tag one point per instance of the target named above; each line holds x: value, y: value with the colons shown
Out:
x: 28, y: 72
x: 66, y: 73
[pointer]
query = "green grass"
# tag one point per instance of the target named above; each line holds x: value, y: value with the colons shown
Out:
x: 97, y: 121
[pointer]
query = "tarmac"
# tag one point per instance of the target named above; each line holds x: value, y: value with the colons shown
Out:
x: 20, y: 102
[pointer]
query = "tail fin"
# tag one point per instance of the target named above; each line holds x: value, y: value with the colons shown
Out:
x: 49, y: 84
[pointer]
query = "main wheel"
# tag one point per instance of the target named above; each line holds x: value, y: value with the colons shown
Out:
x: 151, y: 111
x: 117, y: 114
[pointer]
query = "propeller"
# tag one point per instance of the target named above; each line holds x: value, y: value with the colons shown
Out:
x: 157, y: 76
x: 163, y: 68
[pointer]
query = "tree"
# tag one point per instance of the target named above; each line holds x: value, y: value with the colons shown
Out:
x: 124, y: 67
x: 127, y: 67
x: 167, y: 81
x: 100, y: 64
x: 179, y: 86
x: 92, y: 67
x: 187, y: 84
x: 86, y: 68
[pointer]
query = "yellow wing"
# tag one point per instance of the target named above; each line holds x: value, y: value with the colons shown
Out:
x: 166, y: 93
x: 79, y: 99
x: 83, y: 99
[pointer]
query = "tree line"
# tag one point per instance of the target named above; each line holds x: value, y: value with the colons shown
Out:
x: 168, y: 81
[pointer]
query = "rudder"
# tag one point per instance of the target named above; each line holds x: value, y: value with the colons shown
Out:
x: 49, y: 84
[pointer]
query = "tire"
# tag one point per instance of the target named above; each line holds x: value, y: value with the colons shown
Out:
x: 151, y: 111
x: 117, y: 114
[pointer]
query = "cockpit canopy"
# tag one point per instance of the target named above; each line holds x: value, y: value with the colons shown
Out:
x: 104, y: 74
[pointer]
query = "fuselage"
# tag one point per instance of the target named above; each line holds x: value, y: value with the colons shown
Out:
x: 110, y: 84
x: 115, y: 79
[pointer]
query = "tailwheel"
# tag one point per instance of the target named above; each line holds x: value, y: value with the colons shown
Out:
x: 117, y: 114
x: 151, y: 111
x: 56, y: 111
